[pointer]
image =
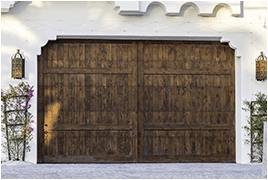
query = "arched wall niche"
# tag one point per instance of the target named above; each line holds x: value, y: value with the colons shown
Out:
x: 185, y: 6
x: 219, y: 6
x: 158, y: 3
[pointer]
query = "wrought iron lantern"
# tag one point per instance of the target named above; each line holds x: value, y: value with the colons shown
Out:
x: 18, y: 65
x: 261, y: 67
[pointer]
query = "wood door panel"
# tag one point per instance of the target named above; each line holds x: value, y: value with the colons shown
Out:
x: 87, y: 107
x: 209, y: 142
x: 95, y: 143
x: 192, y: 97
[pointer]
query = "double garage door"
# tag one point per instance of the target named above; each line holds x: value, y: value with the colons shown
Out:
x: 136, y: 101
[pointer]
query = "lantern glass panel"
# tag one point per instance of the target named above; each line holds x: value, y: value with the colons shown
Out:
x: 18, y: 65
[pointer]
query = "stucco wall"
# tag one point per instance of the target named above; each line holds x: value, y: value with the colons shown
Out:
x: 29, y: 25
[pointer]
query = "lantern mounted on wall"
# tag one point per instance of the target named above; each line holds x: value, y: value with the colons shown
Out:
x: 18, y: 65
x: 261, y: 67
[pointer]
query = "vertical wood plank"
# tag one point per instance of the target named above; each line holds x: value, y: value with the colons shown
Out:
x: 171, y: 143
x: 66, y: 55
x: 93, y: 53
x: 88, y: 55
x: 60, y: 55
x: 99, y: 55
x: 82, y: 56
x: 187, y: 142
x: 181, y: 139
x: 61, y: 143
x: 140, y: 75
x: 52, y: 56
x: 114, y: 57
x: 72, y: 57
x: 119, y: 55
x: 147, y: 56
x: 40, y: 107
x: 198, y: 141
x: 109, y: 55
x: 193, y: 142
x: 83, y: 99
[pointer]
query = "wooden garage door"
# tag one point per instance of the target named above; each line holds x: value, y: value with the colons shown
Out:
x: 135, y: 101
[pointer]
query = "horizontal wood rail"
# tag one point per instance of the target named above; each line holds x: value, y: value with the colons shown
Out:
x: 184, y: 127
x: 170, y: 71
x: 87, y: 71
x: 81, y: 127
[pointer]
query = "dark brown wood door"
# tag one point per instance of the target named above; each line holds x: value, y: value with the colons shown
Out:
x: 136, y: 101
x: 187, y: 109
x: 87, y: 101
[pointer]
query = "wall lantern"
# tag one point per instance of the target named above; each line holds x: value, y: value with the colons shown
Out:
x: 261, y: 67
x: 18, y: 65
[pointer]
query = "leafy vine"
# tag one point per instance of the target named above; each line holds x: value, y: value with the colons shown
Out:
x: 16, y: 123
x: 258, y: 111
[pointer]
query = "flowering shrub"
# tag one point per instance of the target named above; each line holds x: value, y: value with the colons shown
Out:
x: 16, y: 120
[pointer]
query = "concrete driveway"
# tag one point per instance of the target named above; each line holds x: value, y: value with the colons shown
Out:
x: 131, y: 171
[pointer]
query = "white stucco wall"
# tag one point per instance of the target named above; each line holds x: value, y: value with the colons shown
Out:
x: 29, y: 25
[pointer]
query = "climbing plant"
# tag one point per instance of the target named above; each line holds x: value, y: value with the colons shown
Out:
x: 16, y: 123
x: 254, y: 128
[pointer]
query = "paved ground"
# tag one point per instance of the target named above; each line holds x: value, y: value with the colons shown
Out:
x: 131, y: 171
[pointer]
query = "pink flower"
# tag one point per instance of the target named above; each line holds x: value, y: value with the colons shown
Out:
x: 32, y: 121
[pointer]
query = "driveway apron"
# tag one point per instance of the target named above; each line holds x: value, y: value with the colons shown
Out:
x: 131, y: 171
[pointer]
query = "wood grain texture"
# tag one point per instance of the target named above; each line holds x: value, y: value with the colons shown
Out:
x: 136, y: 101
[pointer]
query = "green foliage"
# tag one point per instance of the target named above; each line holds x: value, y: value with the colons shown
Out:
x: 14, y: 111
x: 258, y: 110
